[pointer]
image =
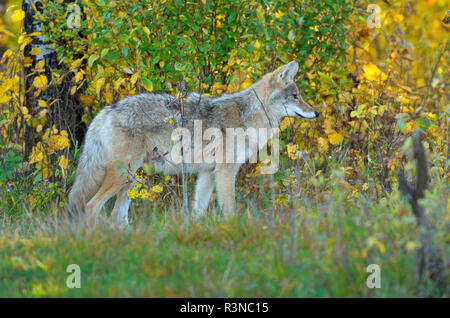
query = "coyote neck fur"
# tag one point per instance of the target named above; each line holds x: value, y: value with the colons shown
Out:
x: 251, y: 103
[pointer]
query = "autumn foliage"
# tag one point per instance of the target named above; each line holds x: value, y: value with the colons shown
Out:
x: 374, y: 75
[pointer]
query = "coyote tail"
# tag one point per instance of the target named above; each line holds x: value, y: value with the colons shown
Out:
x: 89, y: 175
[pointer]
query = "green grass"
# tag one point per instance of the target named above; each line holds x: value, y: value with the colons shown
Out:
x: 315, y: 249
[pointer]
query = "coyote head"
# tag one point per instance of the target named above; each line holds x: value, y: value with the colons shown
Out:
x: 284, y: 98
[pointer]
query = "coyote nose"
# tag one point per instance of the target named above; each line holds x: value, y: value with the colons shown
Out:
x: 317, y: 114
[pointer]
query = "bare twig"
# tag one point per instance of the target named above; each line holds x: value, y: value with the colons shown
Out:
x: 182, y: 89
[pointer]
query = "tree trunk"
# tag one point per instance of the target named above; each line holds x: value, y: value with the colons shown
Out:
x: 2, y: 12
x: 65, y: 111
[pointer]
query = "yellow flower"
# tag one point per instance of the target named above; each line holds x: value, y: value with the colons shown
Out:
x: 156, y: 189
x: 432, y: 116
x: 281, y: 201
x: 292, y: 151
x: 286, y: 122
x: 335, y: 138
x: 36, y: 154
x: 132, y: 193
x: 139, y: 173
x: 56, y: 143
x: 323, y: 144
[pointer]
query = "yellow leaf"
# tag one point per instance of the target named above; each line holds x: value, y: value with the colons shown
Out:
x: 134, y: 78
x: 10, y: 8
x: 108, y: 97
x: 35, y: 51
x: 98, y: 85
x: 17, y: 16
x: 86, y: 100
x: 78, y: 77
x: 397, y: 17
x: 381, y: 247
x: 7, y: 54
x: 24, y: 110
x: 393, y: 55
x: 373, y: 73
x: 286, y: 122
x: 40, y: 81
x: 76, y: 63
x: 403, y: 99
x: 42, y: 103
x: 119, y: 82
x: 36, y: 156
x: 40, y: 64
x: 42, y: 113
x: 35, y: 34
x: 323, y: 144
x: 63, y: 162
x: 335, y: 138
x: 4, y: 99
x: 246, y: 84
x: 43, y: 167
x: 146, y: 30
x: 328, y: 125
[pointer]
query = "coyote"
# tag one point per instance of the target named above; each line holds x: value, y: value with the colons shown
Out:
x: 135, y: 130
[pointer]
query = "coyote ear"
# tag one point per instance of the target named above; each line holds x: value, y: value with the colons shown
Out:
x: 289, y: 72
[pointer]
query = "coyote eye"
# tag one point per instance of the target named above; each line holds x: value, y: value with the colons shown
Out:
x: 295, y: 96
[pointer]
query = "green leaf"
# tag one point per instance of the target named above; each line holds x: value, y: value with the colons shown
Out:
x: 104, y: 52
x: 156, y: 59
x: 92, y: 59
x: 180, y: 66
x: 124, y: 51
x: 148, y: 85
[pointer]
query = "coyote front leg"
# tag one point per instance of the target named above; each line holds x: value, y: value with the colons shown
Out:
x: 203, y: 191
x: 120, y: 210
x: 225, y: 184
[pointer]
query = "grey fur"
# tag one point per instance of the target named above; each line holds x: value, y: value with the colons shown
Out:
x: 125, y: 133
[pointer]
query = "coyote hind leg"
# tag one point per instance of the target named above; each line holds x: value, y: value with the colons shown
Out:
x: 110, y: 186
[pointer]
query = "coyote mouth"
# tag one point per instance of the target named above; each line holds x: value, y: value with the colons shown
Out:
x: 299, y: 115
x: 316, y: 114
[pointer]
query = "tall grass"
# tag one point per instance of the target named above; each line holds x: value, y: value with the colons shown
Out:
x: 315, y: 248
